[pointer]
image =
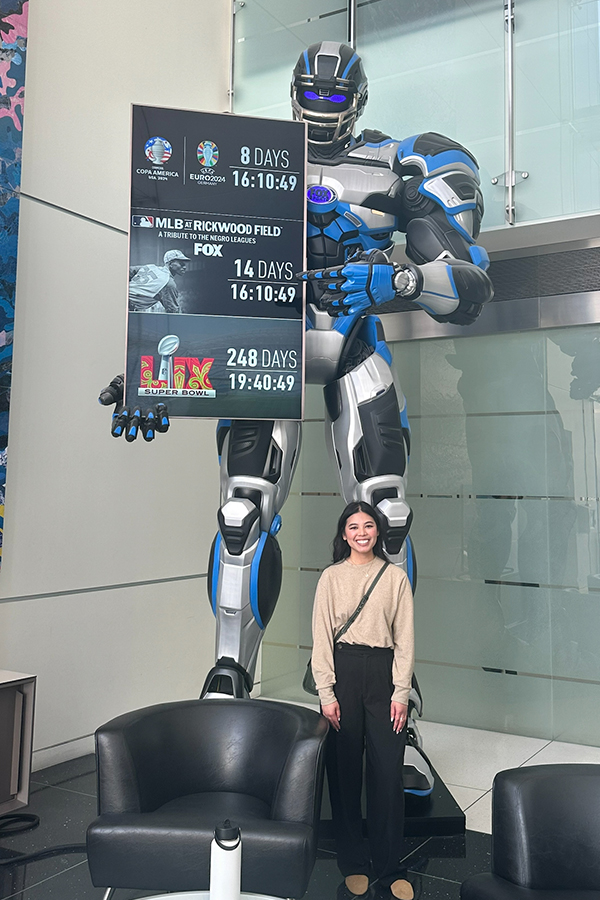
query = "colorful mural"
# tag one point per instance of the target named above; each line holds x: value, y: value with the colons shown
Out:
x: 13, y: 46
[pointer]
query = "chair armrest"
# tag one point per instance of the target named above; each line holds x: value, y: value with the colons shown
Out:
x: 118, y: 789
x: 298, y: 794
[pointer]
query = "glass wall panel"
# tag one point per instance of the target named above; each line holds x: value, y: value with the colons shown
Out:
x: 503, y: 481
x: 270, y: 35
x: 439, y: 66
x: 557, y: 79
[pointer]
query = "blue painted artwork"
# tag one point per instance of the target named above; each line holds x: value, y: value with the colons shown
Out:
x: 13, y: 47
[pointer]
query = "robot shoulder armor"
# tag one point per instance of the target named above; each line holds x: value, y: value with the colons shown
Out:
x: 431, y: 154
x: 432, y: 144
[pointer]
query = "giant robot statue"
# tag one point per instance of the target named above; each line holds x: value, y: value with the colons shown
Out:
x: 360, y: 191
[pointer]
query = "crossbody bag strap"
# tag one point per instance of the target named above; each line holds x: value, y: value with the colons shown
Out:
x: 360, y: 606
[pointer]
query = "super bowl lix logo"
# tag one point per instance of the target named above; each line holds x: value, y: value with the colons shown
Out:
x: 178, y: 376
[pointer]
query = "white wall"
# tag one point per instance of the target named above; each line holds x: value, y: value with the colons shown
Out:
x: 102, y: 587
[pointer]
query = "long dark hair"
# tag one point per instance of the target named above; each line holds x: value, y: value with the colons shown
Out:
x: 341, y: 550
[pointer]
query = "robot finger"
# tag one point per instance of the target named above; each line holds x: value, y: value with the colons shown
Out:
x: 133, y: 425
x: 119, y: 422
x: 162, y: 418
x: 113, y: 393
x: 332, y: 303
x: 148, y: 425
x: 320, y: 274
x: 357, y: 303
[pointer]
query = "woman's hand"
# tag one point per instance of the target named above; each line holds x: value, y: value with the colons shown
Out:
x: 398, y: 713
x: 332, y: 714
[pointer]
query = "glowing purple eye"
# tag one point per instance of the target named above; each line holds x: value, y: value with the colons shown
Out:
x: 335, y: 98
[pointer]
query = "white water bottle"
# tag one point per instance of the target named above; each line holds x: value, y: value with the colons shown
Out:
x: 226, y: 862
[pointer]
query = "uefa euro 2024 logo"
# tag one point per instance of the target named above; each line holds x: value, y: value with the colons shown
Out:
x: 158, y: 150
x: 208, y: 154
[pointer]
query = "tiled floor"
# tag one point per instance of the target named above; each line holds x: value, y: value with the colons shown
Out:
x: 467, y: 760
x: 64, y: 798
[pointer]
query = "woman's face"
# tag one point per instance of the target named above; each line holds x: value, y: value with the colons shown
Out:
x: 361, y: 534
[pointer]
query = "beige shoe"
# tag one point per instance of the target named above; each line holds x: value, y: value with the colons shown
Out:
x: 357, y: 884
x: 402, y: 889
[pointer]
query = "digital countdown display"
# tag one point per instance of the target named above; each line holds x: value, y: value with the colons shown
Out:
x: 217, y: 236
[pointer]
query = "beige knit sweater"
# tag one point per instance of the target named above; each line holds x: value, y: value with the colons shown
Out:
x: 386, y: 620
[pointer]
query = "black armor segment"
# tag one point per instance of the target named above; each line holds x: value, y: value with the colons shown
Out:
x: 381, y: 448
x: 333, y: 401
x: 428, y: 237
x: 235, y: 536
x: 462, y: 184
x: 371, y: 136
x: 393, y: 537
x: 431, y: 143
x: 273, y: 470
x: 353, y: 355
x: 355, y: 350
x: 472, y: 283
x: 383, y: 494
x: 222, y: 432
x: 228, y: 678
x: 322, y: 220
x: 251, y: 494
x: 269, y: 579
x: 324, y: 253
x: 413, y: 202
x: 474, y: 288
x: 251, y: 451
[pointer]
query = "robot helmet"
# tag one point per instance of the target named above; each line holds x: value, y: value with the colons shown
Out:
x: 329, y: 92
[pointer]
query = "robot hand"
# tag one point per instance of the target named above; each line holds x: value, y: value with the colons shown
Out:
x: 452, y: 290
x: 365, y: 281
x: 124, y: 421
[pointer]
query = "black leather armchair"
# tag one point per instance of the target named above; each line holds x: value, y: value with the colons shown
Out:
x: 545, y: 836
x: 168, y: 774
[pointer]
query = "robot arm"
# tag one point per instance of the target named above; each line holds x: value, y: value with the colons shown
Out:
x: 441, y: 209
x: 438, y: 203
x: 450, y: 290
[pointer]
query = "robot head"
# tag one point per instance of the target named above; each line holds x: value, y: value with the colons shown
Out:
x: 329, y: 91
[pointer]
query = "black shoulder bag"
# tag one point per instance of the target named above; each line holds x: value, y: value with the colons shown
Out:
x: 308, y: 682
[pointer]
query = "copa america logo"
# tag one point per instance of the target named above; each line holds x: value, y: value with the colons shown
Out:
x: 158, y: 150
x: 208, y: 154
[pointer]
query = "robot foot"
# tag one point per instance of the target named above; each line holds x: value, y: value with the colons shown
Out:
x: 417, y: 773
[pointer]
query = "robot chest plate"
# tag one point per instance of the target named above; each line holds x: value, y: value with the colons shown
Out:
x: 344, y: 188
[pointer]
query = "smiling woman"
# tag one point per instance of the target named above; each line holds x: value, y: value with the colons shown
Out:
x: 361, y: 533
x: 363, y: 684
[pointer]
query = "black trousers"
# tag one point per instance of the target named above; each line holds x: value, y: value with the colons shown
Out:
x: 364, y: 691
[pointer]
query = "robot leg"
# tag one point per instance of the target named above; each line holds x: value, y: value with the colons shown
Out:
x: 258, y: 460
x: 368, y: 437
